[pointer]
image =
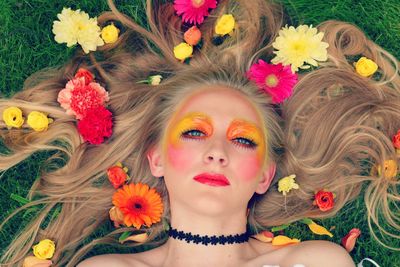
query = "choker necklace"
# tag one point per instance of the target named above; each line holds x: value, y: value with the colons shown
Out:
x: 205, y: 239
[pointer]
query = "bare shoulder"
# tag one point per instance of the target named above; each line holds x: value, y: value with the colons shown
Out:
x: 319, y: 253
x: 115, y: 260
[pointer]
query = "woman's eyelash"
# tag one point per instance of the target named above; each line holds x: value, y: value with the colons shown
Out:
x: 194, y: 134
x: 244, y: 142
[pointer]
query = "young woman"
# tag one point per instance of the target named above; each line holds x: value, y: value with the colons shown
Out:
x: 212, y: 144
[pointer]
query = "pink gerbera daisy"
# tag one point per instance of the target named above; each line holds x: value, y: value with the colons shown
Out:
x: 276, y: 80
x: 194, y: 11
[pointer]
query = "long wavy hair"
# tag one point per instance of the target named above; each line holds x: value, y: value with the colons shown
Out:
x: 334, y: 128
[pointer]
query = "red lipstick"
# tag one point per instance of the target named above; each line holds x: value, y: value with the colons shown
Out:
x: 212, y: 179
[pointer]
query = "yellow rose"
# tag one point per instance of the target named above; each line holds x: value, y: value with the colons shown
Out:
x: 366, y: 67
x: 110, y: 34
x: 38, y: 121
x: 225, y: 24
x: 32, y: 261
x: 12, y: 116
x: 390, y: 169
x: 182, y: 51
x: 45, y: 249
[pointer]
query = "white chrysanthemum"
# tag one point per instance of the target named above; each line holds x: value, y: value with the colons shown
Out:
x: 299, y: 46
x: 75, y: 26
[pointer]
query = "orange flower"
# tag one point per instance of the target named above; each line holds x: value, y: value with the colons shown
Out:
x: 349, y: 241
x: 264, y: 236
x: 139, y: 204
x: 192, y: 36
x: 281, y: 240
x: 324, y: 200
x: 117, y: 175
x: 116, y: 216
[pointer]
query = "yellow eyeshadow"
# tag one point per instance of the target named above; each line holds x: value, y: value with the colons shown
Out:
x: 193, y: 120
x: 242, y: 128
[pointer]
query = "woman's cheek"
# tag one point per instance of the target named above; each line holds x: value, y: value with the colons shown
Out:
x: 249, y: 168
x: 180, y: 157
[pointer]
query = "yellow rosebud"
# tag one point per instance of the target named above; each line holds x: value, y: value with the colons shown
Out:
x: 38, y: 121
x: 139, y: 238
x: 45, y: 249
x: 366, y: 67
x: 110, y: 34
x: 390, y: 167
x: 183, y: 50
x: 281, y: 240
x: 32, y: 261
x: 319, y: 230
x: 155, y: 79
x: 12, y: 116
x: 225, y: 24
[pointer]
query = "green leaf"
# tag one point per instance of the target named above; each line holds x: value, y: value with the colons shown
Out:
x: 279, y: 228
x: 18, y: 198
x: 306, y: 221
x: 124, y: 236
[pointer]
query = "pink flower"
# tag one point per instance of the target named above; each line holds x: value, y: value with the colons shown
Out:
x: 349, y: 241
x: 78, y: 96
x: 96, y: 125
x: 276, y: 80
x: 85, y: 74
x: 194, y: 11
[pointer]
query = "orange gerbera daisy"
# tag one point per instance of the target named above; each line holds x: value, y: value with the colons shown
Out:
x: 139, y: 204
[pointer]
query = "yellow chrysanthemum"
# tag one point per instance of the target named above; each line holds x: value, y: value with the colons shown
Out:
x: 75, y: 26
x: 299, y: 46
x: 12, y: 116
x: 110, y: 34
x: 287, y: 183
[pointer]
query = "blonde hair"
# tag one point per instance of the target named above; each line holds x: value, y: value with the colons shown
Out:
x: 334, y: 128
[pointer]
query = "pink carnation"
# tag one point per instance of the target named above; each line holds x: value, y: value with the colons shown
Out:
x: 78, y: 96
x: 96, y: 125
x: 276, y: 80
x: 194, y: 11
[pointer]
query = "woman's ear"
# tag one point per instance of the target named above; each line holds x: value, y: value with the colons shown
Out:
x: 266, y: 179
x: 154, y: 157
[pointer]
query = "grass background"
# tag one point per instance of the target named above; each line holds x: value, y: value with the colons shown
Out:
x: 27, y: 45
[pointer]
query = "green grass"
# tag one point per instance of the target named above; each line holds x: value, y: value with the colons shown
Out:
x: 27, y: 45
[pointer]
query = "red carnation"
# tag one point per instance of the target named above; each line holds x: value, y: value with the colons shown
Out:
x: 87, y: 75
x: 117, y: 176
x: 396, y: 140
x: 324, y: 200
x: 96, y: 125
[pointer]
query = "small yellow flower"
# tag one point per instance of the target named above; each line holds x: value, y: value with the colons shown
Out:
x: 182, y: 51
x: 366, y: 67
x: 287, y: 183
x: 281, y: 240
x: 38, y: 121
x: 155, y: 79
x: 110, y: 34
x: 390, y: 167
x: 319, y: 230
x: 12, y: 116
x: 225, y: 24
x: 44, y: 249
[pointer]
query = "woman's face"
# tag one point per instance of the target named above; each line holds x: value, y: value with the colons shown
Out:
x: 213, y: 153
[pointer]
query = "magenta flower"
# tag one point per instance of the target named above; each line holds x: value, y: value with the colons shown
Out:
x: 276, y: 80
x: 194, y: 11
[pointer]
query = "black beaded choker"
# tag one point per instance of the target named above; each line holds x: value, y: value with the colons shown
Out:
x: 205, y: 239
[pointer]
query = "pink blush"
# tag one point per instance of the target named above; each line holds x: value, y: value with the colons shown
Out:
x: 249, y: 168
x: 178, y: 157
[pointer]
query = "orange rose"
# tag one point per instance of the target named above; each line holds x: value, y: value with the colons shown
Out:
x: 349, y: 241
x: 116, y: 216
x: 324, y: 200
x: 192, y: 36
x: 396, y: 140
x: 117, y: 175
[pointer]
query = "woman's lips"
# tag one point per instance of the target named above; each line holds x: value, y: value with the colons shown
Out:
x: 212, y: 179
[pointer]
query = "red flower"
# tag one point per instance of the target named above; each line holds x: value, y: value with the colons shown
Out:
x: 96, y: 125
x: 87, y: 75
x: 349, y: 241
x: 117, y: 175
x: 324, y: 200
x: 194, y: 11
x: 276, y: 80
x: 396, y: 140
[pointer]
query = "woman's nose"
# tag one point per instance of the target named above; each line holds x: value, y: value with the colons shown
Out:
x: 216, y: 153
